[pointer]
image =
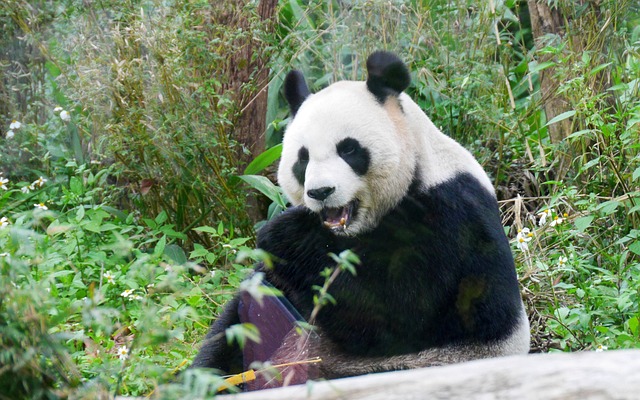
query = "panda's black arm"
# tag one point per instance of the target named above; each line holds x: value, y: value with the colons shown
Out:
x: 215, y: 352
x: 299, y: 242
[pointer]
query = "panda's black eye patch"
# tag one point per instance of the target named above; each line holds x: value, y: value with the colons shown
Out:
x: 352, y: 152
x: 300, y: 166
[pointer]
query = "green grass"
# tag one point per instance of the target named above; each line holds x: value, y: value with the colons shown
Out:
x: 146, y: 210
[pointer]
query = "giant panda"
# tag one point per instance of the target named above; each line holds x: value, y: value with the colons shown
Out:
x: 365, y: 169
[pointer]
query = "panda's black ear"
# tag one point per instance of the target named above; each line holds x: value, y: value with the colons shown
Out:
x: 296, y: 90
x: 387, y: 75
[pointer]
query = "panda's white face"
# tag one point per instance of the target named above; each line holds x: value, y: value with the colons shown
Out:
x: 347, y: 157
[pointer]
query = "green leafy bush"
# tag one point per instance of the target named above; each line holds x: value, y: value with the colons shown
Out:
x: 93, y: 295
x: 122, y: 211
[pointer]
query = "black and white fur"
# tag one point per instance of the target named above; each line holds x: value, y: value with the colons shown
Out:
x: 365, y: 169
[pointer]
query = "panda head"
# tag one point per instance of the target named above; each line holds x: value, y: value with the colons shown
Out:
x: 348, y: 154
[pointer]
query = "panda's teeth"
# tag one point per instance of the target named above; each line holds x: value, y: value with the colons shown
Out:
x: 336, y: 218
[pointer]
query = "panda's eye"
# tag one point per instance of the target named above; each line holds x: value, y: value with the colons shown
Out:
x: 347, y: 147
x: 352, y: 152
x: 347, y: 150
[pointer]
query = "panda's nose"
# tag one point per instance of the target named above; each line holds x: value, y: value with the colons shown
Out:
x: 320, y: 193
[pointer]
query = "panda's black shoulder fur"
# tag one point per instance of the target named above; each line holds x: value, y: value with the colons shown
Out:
x: 437, y: 270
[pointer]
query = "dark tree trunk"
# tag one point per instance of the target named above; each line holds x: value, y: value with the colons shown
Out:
x: 247, y: 78
x: 545, y: 21
x: 246, y: 71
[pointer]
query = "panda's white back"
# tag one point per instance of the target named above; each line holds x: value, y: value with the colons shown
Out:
x: 442, y: 157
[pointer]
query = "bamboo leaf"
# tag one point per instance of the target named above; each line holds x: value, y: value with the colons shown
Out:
x: 263, y: 160
x: 561, y: 117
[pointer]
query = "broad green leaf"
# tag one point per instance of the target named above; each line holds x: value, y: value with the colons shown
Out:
x: 583, y: 223
x: 561, y: 117
x: 175, y: 253
x: 161, y: 218
x: 620, y: 86
x: 608, y: 207
x: 599, y: 68
x: 266, y: 187
x: 635, y: 247
x: 581, y: 133
x: 537, y: 67
x: 263, y: 160
x: 80, y: 213
x: 115, y: 212
x: 160, y: 246
x: 53, y: 69
x: 634, y: 323
x: 636, y: 174
x: 590, y: 164
x: 206, y: 229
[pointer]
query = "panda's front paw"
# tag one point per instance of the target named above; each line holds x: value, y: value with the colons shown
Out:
x: 289, y: 226
x: 296, y: 235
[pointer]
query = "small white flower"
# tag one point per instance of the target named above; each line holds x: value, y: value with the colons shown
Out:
x: 123, y: 352
x: 15, y: 125
x: 213, y: 273
x: 10, y: 134
x: 4, y: 222
x: 600, y: 348
x: 127, y: 293
x: 57, y: 109
x: 38, y: 182
x: 41, y: 206
x: 525, y: 235
x: 3, y: 183
x: 109, y: 277
x: 557, y: 220
x: 4, y: 254
x: 562, y: 261
x: 25, y: 189
x: 65, y: 116
x: 544, y: 215
x: 135, y: 297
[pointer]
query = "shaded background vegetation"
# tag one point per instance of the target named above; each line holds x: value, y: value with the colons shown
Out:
x: 171, y: 102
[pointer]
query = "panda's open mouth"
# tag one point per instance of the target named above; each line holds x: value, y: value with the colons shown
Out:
x: 338, y: 219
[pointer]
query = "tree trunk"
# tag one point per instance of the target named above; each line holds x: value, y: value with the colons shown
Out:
x: 248, y: 80
x: 248, y: 75
x: 547, y: 21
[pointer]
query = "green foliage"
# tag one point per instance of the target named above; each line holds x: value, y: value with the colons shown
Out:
x: 106, y: 292
x: 581, y: 271
x: 92, y: 293
x: 146, y: 89
x: 477, y: 74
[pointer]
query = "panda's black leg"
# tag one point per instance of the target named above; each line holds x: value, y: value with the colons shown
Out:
x: 215, y: 352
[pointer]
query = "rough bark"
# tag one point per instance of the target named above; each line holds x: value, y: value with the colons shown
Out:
x: 247, y: 66
x: 547, y: 21
x: 247, y: 78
